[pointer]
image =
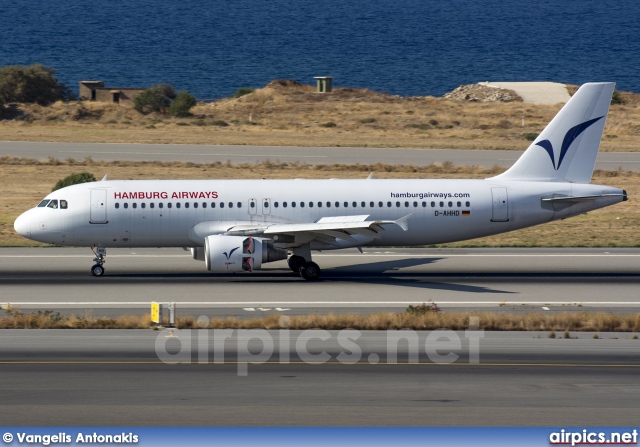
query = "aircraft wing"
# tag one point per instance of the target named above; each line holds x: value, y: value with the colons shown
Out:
x: 326, y: 229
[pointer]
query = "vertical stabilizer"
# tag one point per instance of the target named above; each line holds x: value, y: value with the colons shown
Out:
x: 566, y: 150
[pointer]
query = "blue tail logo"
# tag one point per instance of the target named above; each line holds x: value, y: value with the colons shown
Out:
x: 230, y: 253
x: 569, y: 138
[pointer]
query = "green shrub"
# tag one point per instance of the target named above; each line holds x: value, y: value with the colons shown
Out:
x: 329, y: 124
x: 181, y: 105
x: 422, y: 309
x: 31, y: 84
x: 74, y: 179
x: 616, y: 98
x: 242, y: 91
x: 155, y: 99
x: 530, y: 136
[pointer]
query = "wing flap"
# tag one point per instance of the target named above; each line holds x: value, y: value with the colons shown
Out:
x: 338, y: 227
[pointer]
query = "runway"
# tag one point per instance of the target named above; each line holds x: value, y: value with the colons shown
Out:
x: 116, y: 378
x: 505, y: 280
x: 252, y: 154
x: 266, y: 378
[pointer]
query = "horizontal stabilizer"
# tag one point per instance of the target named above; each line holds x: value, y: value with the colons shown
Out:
x: 575, y: 199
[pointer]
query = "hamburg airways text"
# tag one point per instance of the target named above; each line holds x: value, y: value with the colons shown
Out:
x: 426, y: 195
x: 165, y: 195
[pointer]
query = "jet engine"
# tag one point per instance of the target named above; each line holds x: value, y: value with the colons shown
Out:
x: 239, y: 253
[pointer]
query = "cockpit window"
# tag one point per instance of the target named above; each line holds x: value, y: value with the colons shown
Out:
x: 63, y: 204
x: 43, y: 204
x: 53, y: 204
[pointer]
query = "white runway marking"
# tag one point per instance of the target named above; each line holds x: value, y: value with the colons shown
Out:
x: 197, y: 154
x: 333, y: 303
x: 371, y: 255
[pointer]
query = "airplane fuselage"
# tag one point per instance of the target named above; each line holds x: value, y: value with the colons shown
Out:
x: 169, y: 213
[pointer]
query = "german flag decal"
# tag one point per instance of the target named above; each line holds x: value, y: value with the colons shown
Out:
x: 466, y: 213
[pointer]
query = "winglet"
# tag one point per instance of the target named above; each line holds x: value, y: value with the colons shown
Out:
x: 370, y: 176
x: 104, y: 179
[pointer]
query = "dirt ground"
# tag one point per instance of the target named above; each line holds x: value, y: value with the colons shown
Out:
x: 285, y: 113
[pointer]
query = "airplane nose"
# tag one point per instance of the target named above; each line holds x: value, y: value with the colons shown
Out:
x: 22, y: 225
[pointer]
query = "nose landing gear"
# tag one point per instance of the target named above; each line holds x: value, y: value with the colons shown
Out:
x: 101, y: 253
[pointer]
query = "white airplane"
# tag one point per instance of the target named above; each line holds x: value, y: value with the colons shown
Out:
x: 239, y: 225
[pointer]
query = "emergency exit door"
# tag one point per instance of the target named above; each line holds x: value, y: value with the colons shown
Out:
x: 500, y: 205
x: 98, y: 206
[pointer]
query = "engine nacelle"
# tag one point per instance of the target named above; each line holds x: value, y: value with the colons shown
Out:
x: 238, y: 253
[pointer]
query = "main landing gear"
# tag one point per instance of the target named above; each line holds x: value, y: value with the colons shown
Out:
x: 307, y: 269
x: 101, y: 253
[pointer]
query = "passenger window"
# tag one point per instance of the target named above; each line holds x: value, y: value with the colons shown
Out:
x: 43, y: 204
x: 415, y: 204
x: 169, y: 205
x: 126, y: 206
x: 319, y: 204
x: 441, y: 204
x: 239, y: 204
x: 424, y: 204
x: 459, y: 204
x: 186, y: 204
x: 397, y: 204
x: 293, y: 204
x: 53, y: 204
x: 213, y: 204
x: 301, y: 204
x: 160, y: 205
x: 346, y: 204
x: 204, y: 204
x: 117, y: 205
x: 468, y: 204
x: 142, y: 205
x: 328, y: 204
x: 151, y: 205
x: 63, y: 204
x: 380, y: 204
x: 355, y: 204
x: 433, y: 204
x: 177, y: 204
x: 337, y: 204
x: 253, y: 204
x: 230, y: 204
x: 284, y: 204
x: 195, y: 204
x: 135, y: 205
x: 406, y: 204
x: 275, y: 204
x: 221, y: 204
x: 388, y: 204
x: 371, y: 204
x: 310, y: 204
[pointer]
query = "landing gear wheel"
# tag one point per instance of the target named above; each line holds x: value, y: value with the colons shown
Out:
x: 97, y: 270
x: 310, y: 271
x: 295, y: 263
